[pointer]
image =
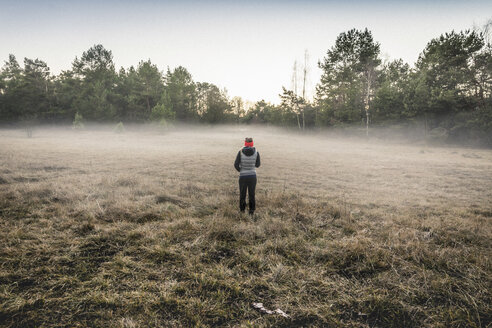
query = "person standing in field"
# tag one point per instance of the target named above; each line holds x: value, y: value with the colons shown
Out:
x: 247, y: 160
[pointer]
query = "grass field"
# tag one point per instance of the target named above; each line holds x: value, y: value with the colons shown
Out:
x: 141, y: 229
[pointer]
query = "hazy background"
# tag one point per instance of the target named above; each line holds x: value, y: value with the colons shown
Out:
x: 248, y: 47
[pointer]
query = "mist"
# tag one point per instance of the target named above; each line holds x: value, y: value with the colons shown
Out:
x: 391, y: 167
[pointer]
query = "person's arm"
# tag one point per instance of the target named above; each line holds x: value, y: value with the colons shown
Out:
x: 237, y: 161
x: 257, y: 160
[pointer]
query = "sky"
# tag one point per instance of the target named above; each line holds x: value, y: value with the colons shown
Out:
x: 246, y: 47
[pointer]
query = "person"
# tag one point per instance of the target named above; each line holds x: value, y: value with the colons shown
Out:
x: 247, y: 160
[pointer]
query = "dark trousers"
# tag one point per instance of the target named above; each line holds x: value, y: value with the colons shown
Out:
x: 247, y: 183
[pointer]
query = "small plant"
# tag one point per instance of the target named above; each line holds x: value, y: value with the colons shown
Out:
x: 120, y: 128
x: 163, y: 125
x: 29, y: 123
x: 438, y: 135
x: 78, y: 122
x: 162, y: 115
x: 29, y: 131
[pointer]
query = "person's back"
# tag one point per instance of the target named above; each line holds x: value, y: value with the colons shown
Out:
x: 247, y: 160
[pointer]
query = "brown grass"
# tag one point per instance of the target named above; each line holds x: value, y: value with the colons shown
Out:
x: 142, y: 229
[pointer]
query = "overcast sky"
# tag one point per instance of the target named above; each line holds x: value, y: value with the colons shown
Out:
x: 247, y: 47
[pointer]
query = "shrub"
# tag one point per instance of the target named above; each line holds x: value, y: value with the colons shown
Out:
x: 120, y: 128
x: 438, y: 135
x: 78, y: 122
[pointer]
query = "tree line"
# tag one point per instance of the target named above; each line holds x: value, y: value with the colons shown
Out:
x: 96, y: 92
x: 449, y: 90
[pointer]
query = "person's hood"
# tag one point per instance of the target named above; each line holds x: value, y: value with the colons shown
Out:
x: 248, y: 151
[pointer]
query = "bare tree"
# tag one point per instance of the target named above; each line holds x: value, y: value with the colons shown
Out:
x: 294, y: 78
x: 292, y: 102
x: 486, y: 31
x: 304, y: 88
x: 295, y: 104
x: 368, y: 94
x: 237, y: 107
x: 300, y: 101
x: 370, y: 76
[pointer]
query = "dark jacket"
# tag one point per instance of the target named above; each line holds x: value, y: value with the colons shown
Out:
x: 248, y: 151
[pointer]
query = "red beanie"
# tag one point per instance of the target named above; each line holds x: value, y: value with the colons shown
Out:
x: 248, y: 142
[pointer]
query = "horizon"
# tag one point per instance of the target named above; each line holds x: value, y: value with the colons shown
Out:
x: 248, y: 49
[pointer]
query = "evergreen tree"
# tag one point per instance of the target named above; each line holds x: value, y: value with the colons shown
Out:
x: 389, y: 98
x: 150, y: 87
x: 446, y: 69
x: 36, y: 88
x: 182, y: 94
x: 348, y: 79
x: 213, y: 105
x: 11, y: 80
x: 96, y: 75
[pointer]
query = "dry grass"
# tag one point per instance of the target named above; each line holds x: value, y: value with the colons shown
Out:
x: 142, y: 230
